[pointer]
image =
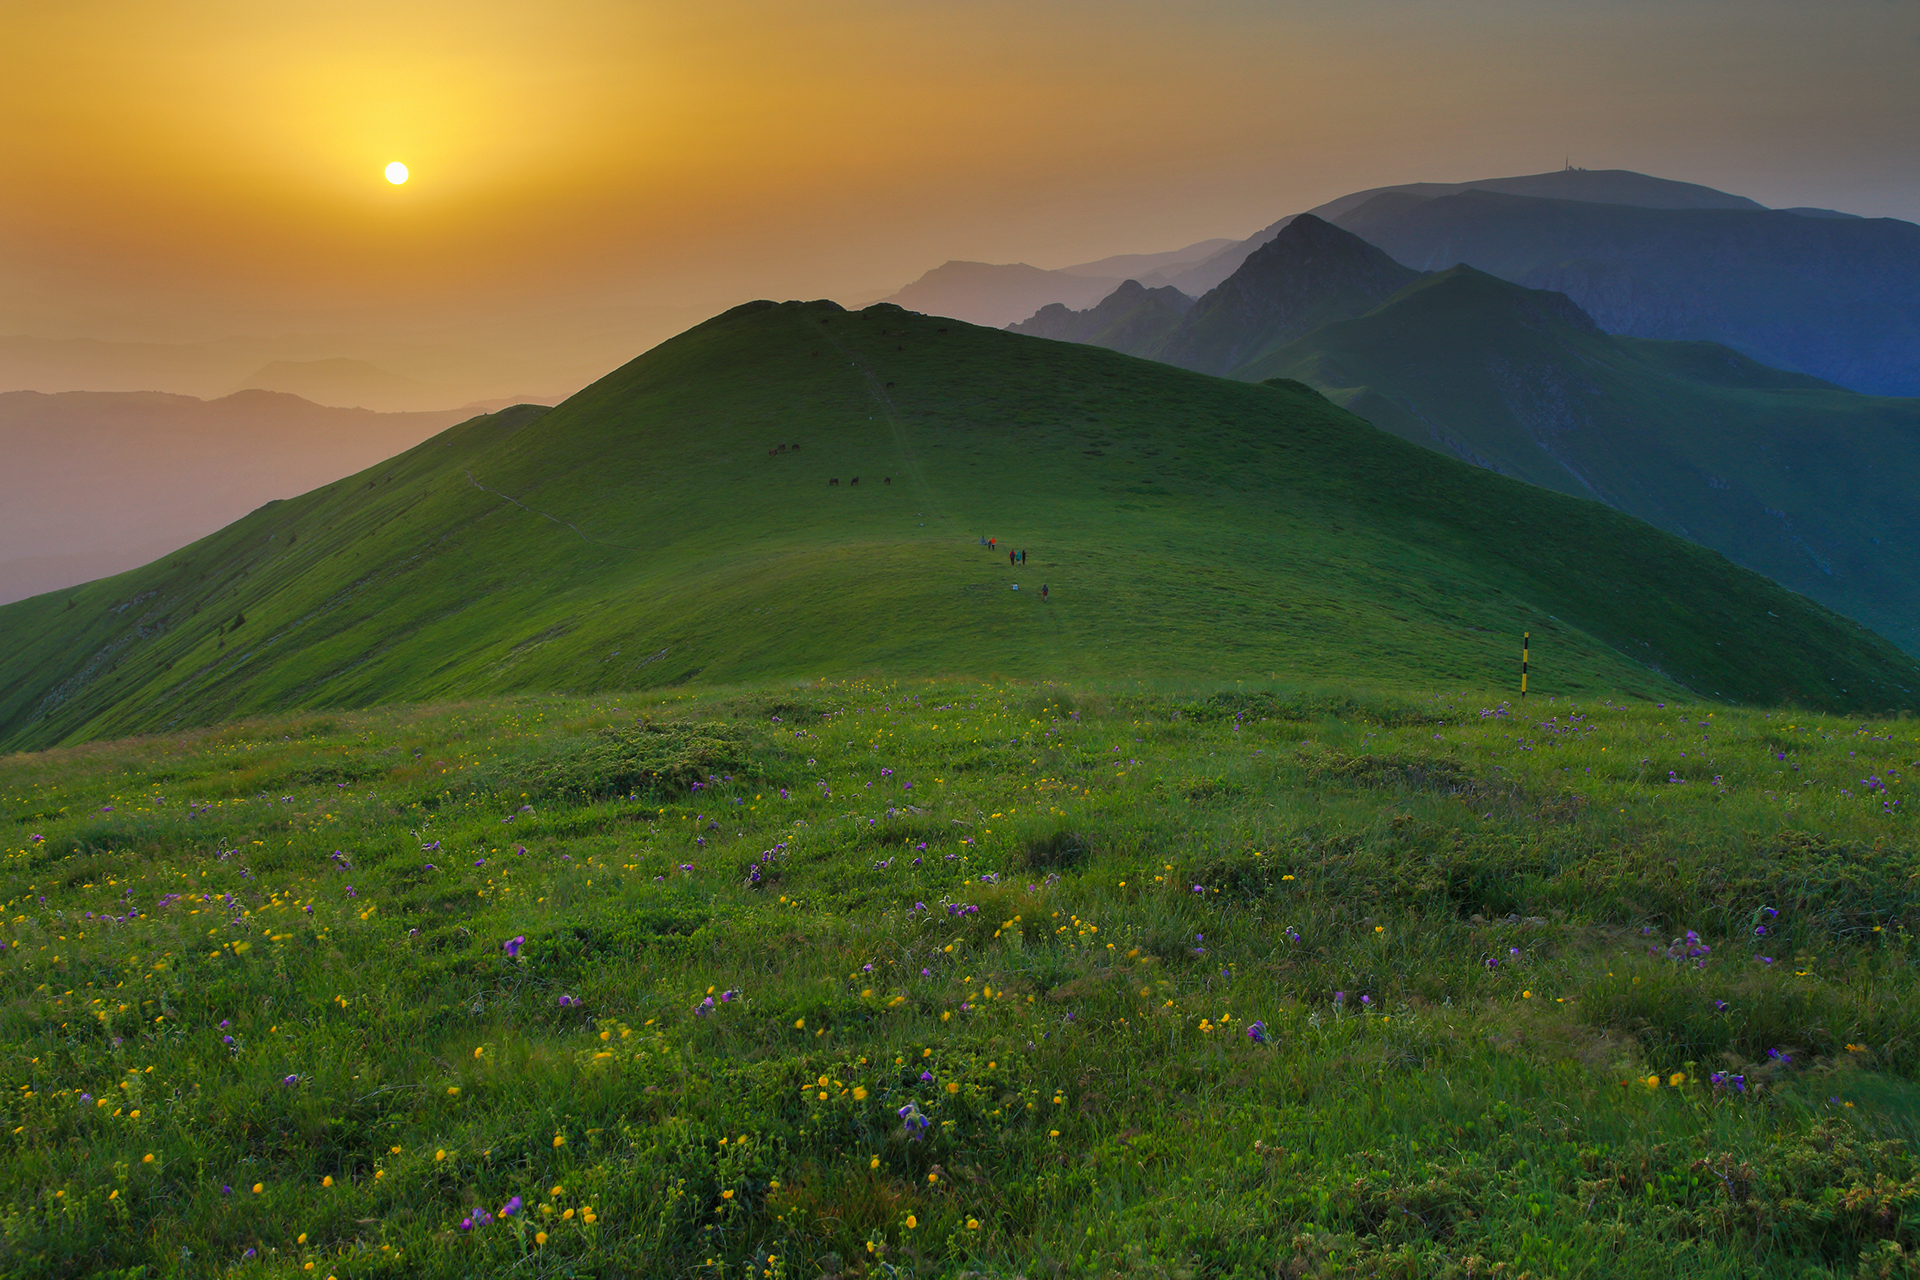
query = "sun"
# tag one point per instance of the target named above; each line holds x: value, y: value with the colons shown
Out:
x: 396, y: 173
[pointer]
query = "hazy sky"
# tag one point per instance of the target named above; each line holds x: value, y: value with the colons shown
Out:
x: 206, y: 166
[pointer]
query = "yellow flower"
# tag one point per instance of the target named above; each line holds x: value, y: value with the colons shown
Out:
x: 874, y: 1163
x: 726, y: 1195
x: 1053, y: 1133
x: 823, y: 1095
x: 379, y: 1174
x: 258, y: 1187
x: 1526, y: 995
x: 932, y: 1178
x: 1677, y: 1079
x: 555, y: 1191
x: 478, y: 1050
x: 452, y: 1090
x: 147, y: 1158
x: 1653, y: 1082
x: 394, y: 1150
x: 114, y: 1196
x: 953, y: 1086
x: 912, y: 1222
x: 567, y: 1214
x: 539, y: 1237
x: 440, y: 1155
x: 973, y: 1224
x: 559, y: 1140
x: 859, y: 1093
x: 799, y: 1023
x: 302, y: 1239
x: 327, y: 1181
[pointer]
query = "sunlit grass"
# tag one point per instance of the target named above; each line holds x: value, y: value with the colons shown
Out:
x: 944, y: 977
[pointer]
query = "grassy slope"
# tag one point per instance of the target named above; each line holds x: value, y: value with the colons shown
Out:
x: 1188, y: 526
x: 256, y: 1014
x: 1792, y: 477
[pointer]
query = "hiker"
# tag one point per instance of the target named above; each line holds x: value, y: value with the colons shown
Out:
x: 1012, y: 558
x: 1023, y: 557
x: 989, y: 544
x: 1043, y: 591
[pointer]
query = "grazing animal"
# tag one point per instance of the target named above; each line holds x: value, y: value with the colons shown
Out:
x: 889, y: 386
x: 939, y: 330
x: 855, y: 480
x: 835, y: 480
x: 886, y: 479
x: 796, y: 446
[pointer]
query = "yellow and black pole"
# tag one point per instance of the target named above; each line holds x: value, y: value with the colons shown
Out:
x: 1526, y: 638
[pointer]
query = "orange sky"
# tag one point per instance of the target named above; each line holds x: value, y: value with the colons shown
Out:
x: 202, y: 166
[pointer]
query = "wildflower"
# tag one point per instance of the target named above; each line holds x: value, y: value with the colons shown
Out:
x: 1677, y: 1079
x: 912, y: 1222
x: 1257, y: 1032
x: 539, y: 1237
x: 512, y: 946
x: 258, y: 1187
x: 327, y: 1181
x: 510, y: 1208
x: 290, y: 1081
x: 559, y: 1140
x: 729, y: 996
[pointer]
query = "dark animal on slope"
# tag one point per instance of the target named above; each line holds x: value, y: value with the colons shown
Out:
x: 835, y: 480
x: 886, y: 479
x: 855, y: 480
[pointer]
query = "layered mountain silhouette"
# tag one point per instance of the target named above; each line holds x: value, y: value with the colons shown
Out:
x: 1832, y: 296
x: 100, y: 482
x: 1785, y: 473
x: 693, y: 517
x: 1311, y: 273
x: 1133, y: 318
x: 986, y: 293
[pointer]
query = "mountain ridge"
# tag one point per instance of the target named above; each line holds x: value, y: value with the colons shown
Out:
x: 661, y: 527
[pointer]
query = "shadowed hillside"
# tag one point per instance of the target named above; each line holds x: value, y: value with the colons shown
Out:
x: 653, y: 530
x: 1796, y: 478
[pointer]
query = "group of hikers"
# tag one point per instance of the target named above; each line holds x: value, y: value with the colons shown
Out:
x: 1013, y: 558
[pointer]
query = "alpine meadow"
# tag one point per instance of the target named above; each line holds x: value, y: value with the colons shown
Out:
x: 853, y: 793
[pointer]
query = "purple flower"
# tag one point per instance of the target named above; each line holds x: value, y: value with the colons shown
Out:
x: 466, y: 1224
x: 512, y: 946
x: 926, y: 1077
x: 727, y: 997
x: 290, y: 1081
x: 704, y: 1008
x: 1257, y: 1033
x: 510, y: 1208
x: 225, y: 1190
x: 351, y: 893
x: 568, y: 1002
x: 1339, y: 997
x: 1720, y: 1006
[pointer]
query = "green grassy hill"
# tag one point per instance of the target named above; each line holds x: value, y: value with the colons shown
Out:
x: 1804, y: 482
x: 651, y: 531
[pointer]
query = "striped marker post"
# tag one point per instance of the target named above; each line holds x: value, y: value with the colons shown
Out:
x: 1526, y: 639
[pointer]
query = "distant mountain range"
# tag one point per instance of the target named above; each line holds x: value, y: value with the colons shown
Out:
x: 99, y: 482
x: 1811, y: 290
x: 1787, y: 474
x: 1832, y: 296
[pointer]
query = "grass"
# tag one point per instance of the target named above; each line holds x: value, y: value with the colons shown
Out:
x: 1792, y: 477
x: 258, y: 1014
x: 650, y: 533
